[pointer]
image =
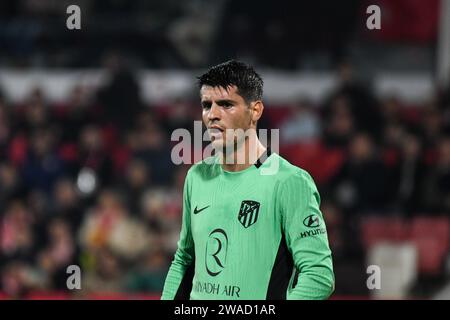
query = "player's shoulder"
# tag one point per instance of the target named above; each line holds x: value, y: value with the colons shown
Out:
x: 292, y: 174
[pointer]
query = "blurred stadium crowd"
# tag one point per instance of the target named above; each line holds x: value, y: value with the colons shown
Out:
x: 50, y: 220
x: 90, y: 181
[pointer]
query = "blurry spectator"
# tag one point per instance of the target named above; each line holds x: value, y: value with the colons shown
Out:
x: 303, y: 126
x: 154, y: 204
x: 334, y: 221
x: 180, y: 115
x: 391, y: 110
x: 35, y: 114
x: 161, y: 216
x: 150, y: 274
x: 59, y: 252
x: 75, y: 114
x: 133, y: 140
x: 19, y: 278
x: 109, y: 225
x: 13, y: 281
x: 67, y: 203
x: 362, y: 103
x: 153, y: 149
x: 61, y: 245
x: 437, y: 187
x: 343, y: 234
x: 179, y: 177
x: 444, y: 104
x: 106, y: 277
x: 18, y: 149
x: 409, y: 175
x: 339, y: 123
x: 42, y: 165
x: 432, y: 126
x: 120, y: 98
x: 393, y: 134
x: 37, y: 203
x: 94, y: 155
x: 362, y: 184
x: 17, y: 238
x: 10, y: 183
x: 137, y: 180
x: 391, y: 144
x: 5, y: 128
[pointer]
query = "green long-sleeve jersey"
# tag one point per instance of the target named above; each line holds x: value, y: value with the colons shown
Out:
x: 252, y: 234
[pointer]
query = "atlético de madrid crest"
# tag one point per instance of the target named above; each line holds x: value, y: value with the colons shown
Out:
x: 248, y: 213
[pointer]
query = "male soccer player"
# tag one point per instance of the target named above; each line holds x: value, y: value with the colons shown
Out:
x: 247, y: 234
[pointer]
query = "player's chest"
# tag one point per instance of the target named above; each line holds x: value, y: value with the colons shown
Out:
x: 241, y: 208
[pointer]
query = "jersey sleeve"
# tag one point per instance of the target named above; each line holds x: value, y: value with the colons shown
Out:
x: 306, y: 237
x: 179, y: 278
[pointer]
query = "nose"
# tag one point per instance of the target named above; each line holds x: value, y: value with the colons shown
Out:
x: 214, y: 112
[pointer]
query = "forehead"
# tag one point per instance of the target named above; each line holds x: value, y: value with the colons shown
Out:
x: 219, y: 93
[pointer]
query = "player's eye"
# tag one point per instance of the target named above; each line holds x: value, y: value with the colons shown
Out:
x: 206, y: 105
x: 226, y: 105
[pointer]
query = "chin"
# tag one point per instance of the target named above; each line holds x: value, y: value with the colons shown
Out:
x: 218, y: 145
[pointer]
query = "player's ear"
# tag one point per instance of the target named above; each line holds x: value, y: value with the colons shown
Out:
x: 257, y: 108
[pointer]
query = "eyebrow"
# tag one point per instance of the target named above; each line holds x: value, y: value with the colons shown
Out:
x: 225, y: 101
x: 220, y: 102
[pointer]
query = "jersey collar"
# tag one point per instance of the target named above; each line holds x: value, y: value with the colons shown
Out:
x: 263, y: 158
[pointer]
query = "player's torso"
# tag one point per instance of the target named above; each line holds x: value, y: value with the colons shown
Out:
x: 236, y: 231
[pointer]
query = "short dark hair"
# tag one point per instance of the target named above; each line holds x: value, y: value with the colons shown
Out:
x: 249, y: 84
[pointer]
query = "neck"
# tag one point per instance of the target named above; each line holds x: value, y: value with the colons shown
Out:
x: 244, y: 155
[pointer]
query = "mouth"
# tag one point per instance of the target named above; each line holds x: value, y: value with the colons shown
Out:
x: 216, y: 127
x: 215, y: 132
